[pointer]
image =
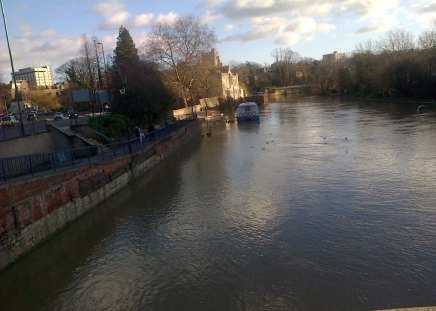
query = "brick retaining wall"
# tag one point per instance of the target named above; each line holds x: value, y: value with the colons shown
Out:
x: 33, y: 210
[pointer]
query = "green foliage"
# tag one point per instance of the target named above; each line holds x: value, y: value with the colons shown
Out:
x: 115, y: 126
x: 143, y: 105
x: 125, y: 52
x: 145, y: 99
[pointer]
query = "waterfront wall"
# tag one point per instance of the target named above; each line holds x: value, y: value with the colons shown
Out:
x: 33, y: 210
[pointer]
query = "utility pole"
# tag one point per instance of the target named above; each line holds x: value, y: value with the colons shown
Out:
x: 17, y: 97
x: 97, y: 94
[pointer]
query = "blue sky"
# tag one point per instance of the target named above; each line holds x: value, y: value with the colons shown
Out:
x: 48, y: 31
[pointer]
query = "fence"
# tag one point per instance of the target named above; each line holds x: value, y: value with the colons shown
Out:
x: 29, y: 128
x: 29, y: 165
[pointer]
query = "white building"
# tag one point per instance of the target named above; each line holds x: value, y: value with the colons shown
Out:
x: 38, y: 77
x: 333, y: 57
x: 226, y: 83
x: 230, y: 84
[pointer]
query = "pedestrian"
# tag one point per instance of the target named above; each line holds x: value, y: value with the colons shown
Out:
x: 151, y: 128
x: 137, y: 132
x: 150, y: 131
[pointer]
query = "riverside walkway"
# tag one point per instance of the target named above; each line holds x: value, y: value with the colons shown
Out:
x: 27, y: 166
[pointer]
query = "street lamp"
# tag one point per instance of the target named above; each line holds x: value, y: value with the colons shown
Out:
x: 98, y: 65
x: 105, y: 67
x: 17, y: 98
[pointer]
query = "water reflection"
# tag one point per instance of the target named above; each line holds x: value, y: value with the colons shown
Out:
x: 248, y: 126
x: 260, y: 216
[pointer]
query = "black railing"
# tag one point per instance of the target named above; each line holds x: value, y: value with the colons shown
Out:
x: 29, y: 165
x: 29, y: 128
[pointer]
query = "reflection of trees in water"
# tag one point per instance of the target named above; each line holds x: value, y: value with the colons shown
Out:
x: 53, y: 265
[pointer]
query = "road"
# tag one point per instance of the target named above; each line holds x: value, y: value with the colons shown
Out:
x: 40, y: 125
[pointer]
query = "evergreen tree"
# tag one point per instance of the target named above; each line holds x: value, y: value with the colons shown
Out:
x: 125, y: 53
x: 143, y: 98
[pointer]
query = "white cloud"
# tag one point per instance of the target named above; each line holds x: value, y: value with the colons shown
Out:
x: 381, y: 25
x: 169, y: 18
x: 367, y: 9
x: 284, y: 31
x: 209, y: 17
x: 143, y: 20
x: 49, y: 32
x: 25, y: 30
x: 114, y: 13
x: 45, y: 48
x: 257, y: 8
x: 230, y: 26
x: 424, y: 12
x: 288, y: 39
x: 294, y: 21
x: 211, y: 3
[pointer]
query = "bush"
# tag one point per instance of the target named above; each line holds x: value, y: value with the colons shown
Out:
x: 115, y: 126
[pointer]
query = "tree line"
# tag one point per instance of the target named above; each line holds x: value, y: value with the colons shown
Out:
x: 147, y: 81
x: 395, y: 66
x: 169, y: 69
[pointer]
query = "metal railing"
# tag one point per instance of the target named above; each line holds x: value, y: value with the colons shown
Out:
x: 29, y: 165
x: 29, y: 128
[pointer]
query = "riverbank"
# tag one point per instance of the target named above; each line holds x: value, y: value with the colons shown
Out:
x: 31, y: 211
x: 389, y: 99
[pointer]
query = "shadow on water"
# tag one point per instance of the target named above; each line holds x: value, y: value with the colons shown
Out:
x: 249, y: 126
x: 39, y: 277
x: 266, y: 216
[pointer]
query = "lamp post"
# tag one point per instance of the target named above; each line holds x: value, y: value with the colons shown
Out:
x: 105, y: 68
x: 17, y: 98
x: 98, y: 65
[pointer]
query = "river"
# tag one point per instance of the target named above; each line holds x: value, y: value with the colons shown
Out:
x: 322, y: 205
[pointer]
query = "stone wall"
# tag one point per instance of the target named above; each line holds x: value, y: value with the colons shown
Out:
x: 33, y: 210
x: 48, y: 141
x: 40, y: 142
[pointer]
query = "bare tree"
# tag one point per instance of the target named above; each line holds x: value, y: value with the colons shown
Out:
x: 396, y: 41
x: 427, y: 40
x: 278, y: 58
x: 361, y: 65
x: 285, y: 64
x: 178, y: 49
x: 80, y: 71
x: 86, y: 51
x: 427, y: 43
x: 367, y: 47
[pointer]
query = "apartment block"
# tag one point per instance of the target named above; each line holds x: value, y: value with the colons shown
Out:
x: 38, y: 77
x: 333, y: 57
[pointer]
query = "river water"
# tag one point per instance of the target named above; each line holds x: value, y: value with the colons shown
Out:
x: 322, y: 205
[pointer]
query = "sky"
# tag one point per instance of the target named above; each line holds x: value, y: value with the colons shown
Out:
x: 48, y: 32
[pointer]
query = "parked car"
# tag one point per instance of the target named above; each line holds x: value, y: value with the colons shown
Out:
x: 8, y: 121
x: 32, y: 116
x: 72, y: 114
x: 58, y: 116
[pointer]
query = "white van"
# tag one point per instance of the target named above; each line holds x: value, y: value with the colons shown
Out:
x: 247, y: 111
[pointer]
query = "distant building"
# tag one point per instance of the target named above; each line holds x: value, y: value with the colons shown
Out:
x: 23, y: 89
x: 38, y: 77
x: 212, y: 58
x: 333, y: 57
x: 230, y: 84
x: 226, y: 83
